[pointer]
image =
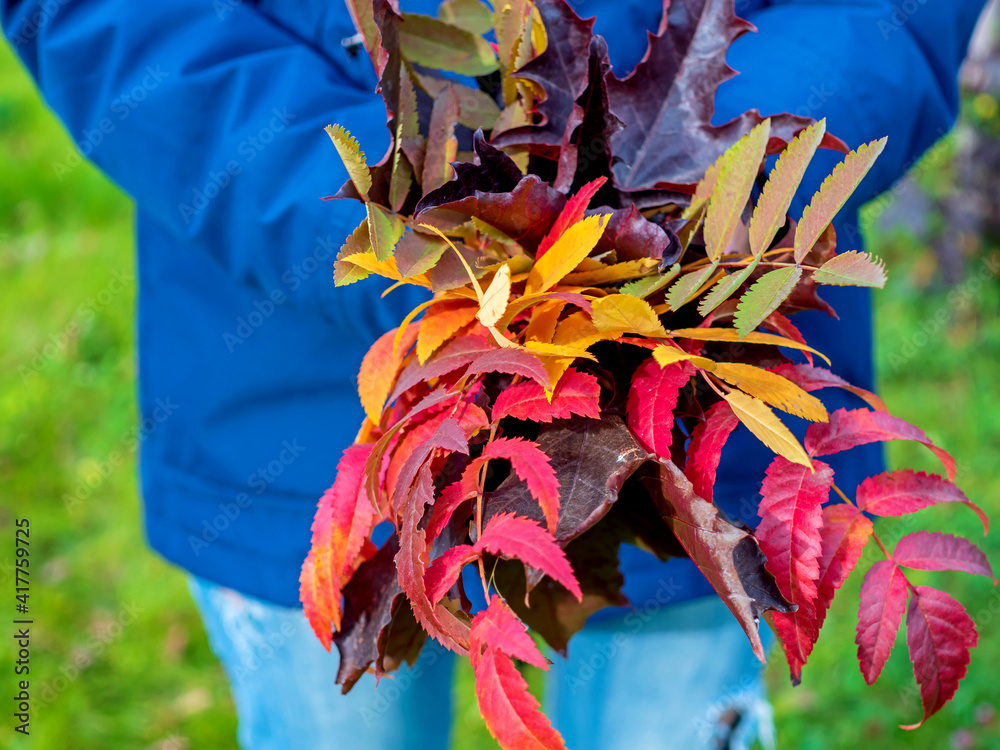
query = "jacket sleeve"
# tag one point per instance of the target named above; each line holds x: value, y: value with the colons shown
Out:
x: 873, y: 68
x: 213, y: 123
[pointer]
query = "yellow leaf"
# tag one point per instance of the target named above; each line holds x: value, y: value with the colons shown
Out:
x: 386, y: 268
x: 353, y: 158
x: 762, y: 422
x: 630, y: 269
x: 544, y: 318
x: 731, y: 334
x: 774, y: 389
x: 732, y: 189
x: 406, y: 322
x: 566, y: 253
x: 668, y: 355
x: 704, y: 189
x: 626, y: 314
x: 558, y: 350
x: 495, y: 298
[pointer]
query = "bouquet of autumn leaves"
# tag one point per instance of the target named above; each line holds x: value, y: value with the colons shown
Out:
x: 610, y: 300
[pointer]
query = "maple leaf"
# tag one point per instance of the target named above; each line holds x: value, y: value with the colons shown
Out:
x: 577, y: 393
x: 939, y: 635
x: 883, y: 598
x: 491, y: 172
x: 789, y: 536
x: 632, y: 236
x: 591, y: 458
x: 850, y: 428
x: 904, y: 491
x: 511, y: 713
x: 651, y: 403
x: 498, y: 627
x: 343, y: 521
x: 728, y: 556
x: 667, y: 102
x: 705, y: 451
x: 932, y: 550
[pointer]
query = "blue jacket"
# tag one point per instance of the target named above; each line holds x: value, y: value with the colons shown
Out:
x: 211, y: 114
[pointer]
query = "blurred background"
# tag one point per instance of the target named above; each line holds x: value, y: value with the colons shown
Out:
x: 120, y: 659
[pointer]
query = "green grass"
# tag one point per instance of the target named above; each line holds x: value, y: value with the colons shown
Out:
x: 155, y: 684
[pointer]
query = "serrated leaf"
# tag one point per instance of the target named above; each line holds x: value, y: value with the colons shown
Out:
x: 772, y: 389
x: 578, y: 393
x: 850, y: 428
x: 511, y: 362
x: 439, y: 45
x: 651, y: 403
x: 453, y: 355
x: 379, y: 369
x: 933, y: 550
x: 790, y: 537
x: 762, y: 422
x: 495, y: 298
x: 531, y: 465
x: 353, y: 157
x: 444, y: 571
x: 498, y: 627
x: 442, y: 320
x: 724, y: 288
x: 572, y: 213
x: 810, y: 379
x: 623, y: 313
x: 705, y: 450
x: 852, y: 269
x: 764, y: 297
x: 880, y: 613
x: 687, y: 286
x: 566, y: 253
x: 731, y: 334
x: 732, y: 189
x: 845, y: 532
x: 833, y: 194
x: 520, y: 538
x: 612, y: 274
x: 668, y: 355
x: 904, y: 491
x: 643, y: 288
x: 772, y: 208
x: 384, y: 231
x: 343, y: 521
x: 510, y: 711
x: 939, y: 634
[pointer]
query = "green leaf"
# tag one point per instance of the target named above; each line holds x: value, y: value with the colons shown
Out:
x: 776, y: 197
x: 345, y: 272
x: 833, y: 194
x: 724, y: 288
x: 353, y: 158
x: 764, y: 297
x: 476, y: 109
x: 732, y: 189
x: 642, y: 288
x: 852, y: 269
x: 688, y: 285
x: 470, y: 15
x: 441, y: 46
x: 418, y: 253
x: 384, y: 230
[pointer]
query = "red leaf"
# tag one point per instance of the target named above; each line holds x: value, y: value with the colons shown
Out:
x: 844, y: 535
x: 813, y: 378
x: 510, y: 536
x: 900, y: 492
x: 883, y: 597
x: 511, y: 362
x: 782, y: 325
x: 510, y: 711
x: 939, y: 635
x: 451, y: 498
x: 848, y: 429
x: 789, y: 535
x: 651, y: 403
x: 444, y: 571
x: 705, y: 449
x: 450, y: 357
x: 534, y: 468
x: 379, y: 368
x: 932, y: 550
x: 498, y: 627
x: 439, y: 432
x: 577, y: 393
x: 411, y: 563
x: 572, y: 213
x: 343, y: 521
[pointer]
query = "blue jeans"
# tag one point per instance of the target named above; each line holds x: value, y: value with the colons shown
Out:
x: 681, y: 677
